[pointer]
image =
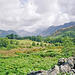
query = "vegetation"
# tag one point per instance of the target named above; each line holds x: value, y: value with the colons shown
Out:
x: 69, y: 31
x: 20, y: 55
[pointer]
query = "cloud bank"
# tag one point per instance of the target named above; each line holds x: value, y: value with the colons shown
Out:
x: 30, y: 15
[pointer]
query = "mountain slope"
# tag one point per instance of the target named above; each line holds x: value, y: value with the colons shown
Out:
x: 52, y: 29
x: 4, y: 33
x: 68, y: 31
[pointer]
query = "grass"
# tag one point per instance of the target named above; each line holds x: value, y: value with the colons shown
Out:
x: 24, y: 63
x: 26, y: 58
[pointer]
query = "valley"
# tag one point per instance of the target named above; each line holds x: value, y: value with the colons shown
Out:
x: 21, y: 55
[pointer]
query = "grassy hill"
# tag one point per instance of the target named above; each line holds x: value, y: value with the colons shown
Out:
x: 69, y: 31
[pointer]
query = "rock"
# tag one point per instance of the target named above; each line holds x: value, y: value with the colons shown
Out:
x: 65, y: 65
x: 62, y: 61
x: 65, y: 68
x: 74, y: 59
x: 42, y: 72
x: 73, y: 70
x: 71, y: 62
x: 54, y: 71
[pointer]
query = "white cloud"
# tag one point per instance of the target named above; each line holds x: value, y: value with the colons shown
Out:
x: 33, y: 14
x: 67, y: 7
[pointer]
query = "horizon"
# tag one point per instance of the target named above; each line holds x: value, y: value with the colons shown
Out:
x: 35, y: 30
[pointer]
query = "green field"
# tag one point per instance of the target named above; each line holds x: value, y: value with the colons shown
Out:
x: 27, y: 56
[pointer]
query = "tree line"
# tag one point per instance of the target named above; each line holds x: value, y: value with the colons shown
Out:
x: 44, y: 39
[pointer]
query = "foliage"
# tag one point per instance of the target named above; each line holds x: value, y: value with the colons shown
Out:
x: 32, y: 55
x: 33, y: 44
x: 4, y: 42
x: 12, y: 36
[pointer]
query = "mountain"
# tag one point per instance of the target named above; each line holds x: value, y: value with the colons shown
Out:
x: 68, y: 31
x: 41, y: 32
x: 4, y: 33
x: 23, y: 33
x: 52, y: 29
x: 20, y: 33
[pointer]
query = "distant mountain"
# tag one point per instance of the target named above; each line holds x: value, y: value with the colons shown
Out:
x: 4, y: 33
x: 20, y: 33
x: 52, y: 29
x: 68, y: 31
x: 41, y: 32
x: 23, y: 33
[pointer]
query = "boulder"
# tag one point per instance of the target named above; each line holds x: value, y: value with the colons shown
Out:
x: 54, y: 71
x: 65, y: 68
x: 42, y: 72
x: 70, y: 61
x: 65, y: 65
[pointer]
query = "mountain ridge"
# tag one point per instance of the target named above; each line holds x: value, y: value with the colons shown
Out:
x: 4, y: 33
x: 41, y: 32
x: 68, y: 31
x: 52, y: 29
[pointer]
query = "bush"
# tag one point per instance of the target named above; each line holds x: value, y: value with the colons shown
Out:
x: 68, y: 51
x: 4, y: 42
x: 17, y: 43
x: 57, y: 44
x: 37, y: 43
x: 33, y: 44
x: 41, y: 44
x: 12, y: 41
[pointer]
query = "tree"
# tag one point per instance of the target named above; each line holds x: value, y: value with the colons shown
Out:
x: 15, y: 36
x: 12, y: 36
x: 38, y: 38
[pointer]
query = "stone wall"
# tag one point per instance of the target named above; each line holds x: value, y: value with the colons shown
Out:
x: 64, y: 65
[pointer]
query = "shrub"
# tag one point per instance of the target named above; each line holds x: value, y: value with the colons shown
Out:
x: 4, y: 42
x: 12, y: 41
x: 57, y: 44
x: 33, y: 44
x: 41, y: 44
x: 37, y: 43
x: 17, y: 43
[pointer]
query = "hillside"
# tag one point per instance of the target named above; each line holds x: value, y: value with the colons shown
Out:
x: 68, y: 31
x: 4, y: 33
x: 52, y: 29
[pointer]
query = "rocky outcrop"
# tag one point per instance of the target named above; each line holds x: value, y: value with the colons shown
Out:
x: 65, y: 65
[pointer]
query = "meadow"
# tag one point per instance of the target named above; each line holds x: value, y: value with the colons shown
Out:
x: 24, y: 56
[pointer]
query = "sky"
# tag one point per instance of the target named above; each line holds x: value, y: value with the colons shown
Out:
x: 30, y: 15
